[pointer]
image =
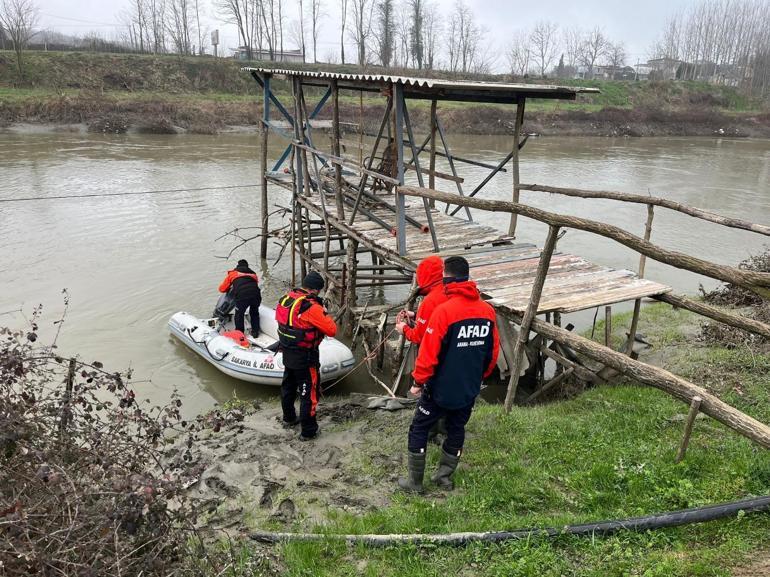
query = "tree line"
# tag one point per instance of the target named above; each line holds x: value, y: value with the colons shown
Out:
x: 720, y: 41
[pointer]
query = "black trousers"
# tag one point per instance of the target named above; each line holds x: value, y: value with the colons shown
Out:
x: 304, y: 381
x: 427, y: 414
x: 240, y: 311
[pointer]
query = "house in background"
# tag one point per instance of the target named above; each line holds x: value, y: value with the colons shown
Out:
x: 663, y: 68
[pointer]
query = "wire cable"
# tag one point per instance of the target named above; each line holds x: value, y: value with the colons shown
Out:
x: 131, y: 193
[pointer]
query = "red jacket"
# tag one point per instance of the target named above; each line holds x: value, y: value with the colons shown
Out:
x: 459, y: 349
x: 233, y: 275
x: 429, y: 274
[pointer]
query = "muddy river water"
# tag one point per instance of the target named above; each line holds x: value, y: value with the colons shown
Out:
x: 129, y: 262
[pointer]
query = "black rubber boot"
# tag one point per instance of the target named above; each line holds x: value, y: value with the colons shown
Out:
x: 412, y: 483
x: 446, y: 468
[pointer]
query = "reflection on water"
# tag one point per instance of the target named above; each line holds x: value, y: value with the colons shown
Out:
x: 130, y: 262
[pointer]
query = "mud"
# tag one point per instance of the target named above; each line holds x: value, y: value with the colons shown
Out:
x: 255, y: 473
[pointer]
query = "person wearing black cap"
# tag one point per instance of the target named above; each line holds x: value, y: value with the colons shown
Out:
x: 302, y: 325
x: 243, y: 285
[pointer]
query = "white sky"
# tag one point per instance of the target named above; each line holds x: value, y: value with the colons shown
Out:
x: 636, y: 23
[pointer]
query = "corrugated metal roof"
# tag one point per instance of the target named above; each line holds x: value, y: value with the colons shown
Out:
x: 434, y: 83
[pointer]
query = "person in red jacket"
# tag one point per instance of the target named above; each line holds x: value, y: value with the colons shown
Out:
x: 302, y: 325
x: 458, y: 351
x: 243, y: 284
x: 429, y: 274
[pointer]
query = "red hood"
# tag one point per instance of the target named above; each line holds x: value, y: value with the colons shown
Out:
x: 429, y: 273
x: 466, y: 289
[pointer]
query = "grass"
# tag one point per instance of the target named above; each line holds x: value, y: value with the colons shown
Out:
x: 608, y: 453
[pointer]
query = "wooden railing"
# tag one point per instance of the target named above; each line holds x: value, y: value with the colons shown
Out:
x: 654, y: 376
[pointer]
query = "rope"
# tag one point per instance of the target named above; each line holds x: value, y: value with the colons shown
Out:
x: 139, y: 192
x: 372, y: 354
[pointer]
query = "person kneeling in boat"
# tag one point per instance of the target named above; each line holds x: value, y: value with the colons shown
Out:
x: 302, y: 324
x: 243, y: 285
x: 458, y: 351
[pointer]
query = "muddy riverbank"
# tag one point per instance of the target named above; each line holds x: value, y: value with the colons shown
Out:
x: 153, y: 114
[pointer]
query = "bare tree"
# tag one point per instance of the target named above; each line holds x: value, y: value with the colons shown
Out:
x: 315, y: 19
x: 616, y: 54
x: 595, y: 47
x: 302, y: 29
x: 179, y: 24
x: 384, y: 32
x: 239, y: 13
x: 542, y: 39
x: 431, y: 33
x: 518, y: 54
x: 18, y: 17
x: 417, y: 31
x: 362, y: 12
x: 343, y: 21
x: 572, y: 44
x: 463, y: 39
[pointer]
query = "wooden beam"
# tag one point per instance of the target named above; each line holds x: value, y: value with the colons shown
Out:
x: 733, y: 320
x: 529, y: 315
x: 653, y: 200
x: 558, y: 379
x: 638, y: 302
x: 336, y: 149
x: 337, y: 160
x: 433, y: 174
x: 756, y: 281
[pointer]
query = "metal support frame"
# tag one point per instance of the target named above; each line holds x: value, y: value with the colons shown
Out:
x: 264, y: 129
x: 398, y: 95
x: 451, y: 161
x: 416, y: 161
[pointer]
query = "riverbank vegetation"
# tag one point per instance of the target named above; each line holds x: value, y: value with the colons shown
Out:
x: 115, y: 92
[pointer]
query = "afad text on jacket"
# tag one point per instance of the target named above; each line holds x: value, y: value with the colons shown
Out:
x: 459, y: 349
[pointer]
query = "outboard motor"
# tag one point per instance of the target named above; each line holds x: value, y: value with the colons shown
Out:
x: 225, y: 306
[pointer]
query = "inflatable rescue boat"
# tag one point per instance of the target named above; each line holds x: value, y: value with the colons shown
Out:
x: 259, y: 362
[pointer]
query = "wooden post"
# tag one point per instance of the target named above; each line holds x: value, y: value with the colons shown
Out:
x: 638, y: 302
x: 350, y: 292
x: 432, y: 176
x: 264, y: 133
x: 515, y: 167
x: 530, y: 313
x: 66, y: 412
x: 556, y: 380
x: 336, y: 149
x: 694, y: 408
x: 607, y: 326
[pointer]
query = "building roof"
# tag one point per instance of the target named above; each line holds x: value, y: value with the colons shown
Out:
x: 433, y: 88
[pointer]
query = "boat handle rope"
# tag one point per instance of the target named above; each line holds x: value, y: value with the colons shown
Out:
x: 372, y: 354
x: 205, y: 346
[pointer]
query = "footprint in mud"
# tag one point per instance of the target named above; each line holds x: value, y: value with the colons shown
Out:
x: 269, y: 493
x: 286, y: 511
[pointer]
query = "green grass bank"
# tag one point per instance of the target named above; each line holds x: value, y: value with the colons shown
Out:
x: 115, y: 92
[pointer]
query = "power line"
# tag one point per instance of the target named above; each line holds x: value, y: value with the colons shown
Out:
x: 134, y: 193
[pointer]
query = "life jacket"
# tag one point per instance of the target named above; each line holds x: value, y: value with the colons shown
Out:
x: 293, y: 331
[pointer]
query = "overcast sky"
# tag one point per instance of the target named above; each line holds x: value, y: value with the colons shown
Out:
x: 636, y: 23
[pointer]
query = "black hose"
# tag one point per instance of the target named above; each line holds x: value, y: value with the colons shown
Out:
x: 205, y: 346
x: 645, y: 523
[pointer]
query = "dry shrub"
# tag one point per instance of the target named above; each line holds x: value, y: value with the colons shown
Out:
x: 82, y: 487
x: 736, y: 296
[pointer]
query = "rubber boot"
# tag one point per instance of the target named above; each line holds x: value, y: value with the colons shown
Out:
x: 446, y: 468
x: 412, y: 483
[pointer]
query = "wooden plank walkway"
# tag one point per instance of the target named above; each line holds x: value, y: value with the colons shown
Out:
x: 504, y: 271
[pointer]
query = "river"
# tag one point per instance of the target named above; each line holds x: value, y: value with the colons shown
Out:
x: 129, y: 262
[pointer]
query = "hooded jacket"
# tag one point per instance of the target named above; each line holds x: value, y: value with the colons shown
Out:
x: 242, y: 283
x: 459, y: 349
x: 429, y: 274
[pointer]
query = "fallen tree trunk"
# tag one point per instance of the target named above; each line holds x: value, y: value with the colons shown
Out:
x: 756, y: 281
x: 737, y: 321
x: 660, y: 379
x: 654, y: 200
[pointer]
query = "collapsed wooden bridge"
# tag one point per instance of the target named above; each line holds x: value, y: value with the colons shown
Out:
x: 382, y: 200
